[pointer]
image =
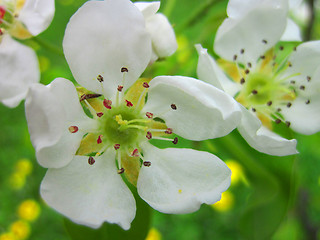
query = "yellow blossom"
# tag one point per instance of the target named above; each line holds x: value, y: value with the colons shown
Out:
x: 226, y: 202
x: 20, y: 229
x: 17, y: 180
x: 237, y: 171
x: 29, y: 210
x: 7, y: 236
x: 24, y: 166
x: 153, y: 234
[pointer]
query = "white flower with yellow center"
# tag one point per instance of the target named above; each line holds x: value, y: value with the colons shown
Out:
x: 20, y: 19
x: 107, y: 47
x: 270, y: 89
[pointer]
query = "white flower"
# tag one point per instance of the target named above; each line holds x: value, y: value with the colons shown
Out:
x: 107, y: 47
x: 163, y: 39
x: 269, y: 90
x: 19, y: 64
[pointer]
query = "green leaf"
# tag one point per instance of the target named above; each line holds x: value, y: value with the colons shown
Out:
x: 138, y: 231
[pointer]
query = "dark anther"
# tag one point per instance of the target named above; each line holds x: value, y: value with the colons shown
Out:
x: 254, y: 92
x: 168, y: 131
x: 269, y: 103
x: 107, y: 103
x: 242, y: 81
x: 249, y: 64
x: 129, y: 104
x: 120, y: 87
x: 147, y: 163
x: 124, y: 69
x: 88, y: 96
x: 289, y: 104
x: 91, y: 160
x: 242, y: 51
x: 149, y: 135
x: 289, y: 64
x: 121, y: 170
x: 145, y: 85
x: 278, y: 109
x: 281, y: 48
x: 100, y: 78
x: 116, y: 146
x: 262, y: 57
x: 99, y: 114
x: 308, y: 78
x: 302, y: 87
x: 247, y: 71
x: 277, y: 121
x: 73, y: 129
x: 253, y: 110
x: 308, y: 101
x: 149, y: 114
x: 288, y: 123
x: 99, y: 140
x: 295, y: 49
x: 292, y: 81
x: 173, y: 106
x: 175, y: 140
x: 235, y: 57
x: 264, y: 41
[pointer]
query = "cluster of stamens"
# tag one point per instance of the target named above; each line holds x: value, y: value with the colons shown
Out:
x: 265, y: 89
x: 122, y: 125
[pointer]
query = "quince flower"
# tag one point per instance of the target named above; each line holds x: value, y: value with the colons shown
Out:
x: 20, y: 19
x: 270, y: 90
x: 88, y: 157
x: 163, y: 38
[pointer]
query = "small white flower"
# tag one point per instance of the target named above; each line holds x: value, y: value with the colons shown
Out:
x: 163, y: 39
x: 107, y: 47
x: 19, y: 64
x: 268, y: 89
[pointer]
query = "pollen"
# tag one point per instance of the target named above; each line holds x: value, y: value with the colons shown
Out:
x: 180, y: 191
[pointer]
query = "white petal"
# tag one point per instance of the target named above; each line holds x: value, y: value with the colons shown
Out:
x: 294, y: 3
x: 101, y: 38
x: 305, y: 60
x: 164, y: 41
x: 238, y: 8
x: 203, y: 111
x: 292, y: 32
x: 19, y: 70
x: 305, y: 118
x: 148, y: 9
x: 262, y: 139
x: 210, y: 72
x: 37, y: 15
x: 266, y: 21
x: 90, y: 194
x: 50, y: 111
x: 180, y: 180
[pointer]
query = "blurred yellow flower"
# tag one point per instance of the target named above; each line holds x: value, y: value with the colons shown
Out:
x: 17, y: 180
x: 226, y: 202
x: 29, y: 210
x: 183, y: 53
x: 44, y: 63
x: 20, y: 229
x: 7, y: 236
x: 24, y: 166
x: 154, y: 234
x: 237, y: 171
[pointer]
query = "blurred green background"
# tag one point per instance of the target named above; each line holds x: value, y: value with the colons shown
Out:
x: 270, y: 197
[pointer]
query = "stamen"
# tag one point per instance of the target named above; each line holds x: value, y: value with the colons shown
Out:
x: 302, y: 87
x: 175, y: 140
x: 149, y: 115
x: 124, y: 69
x: 73, y: 129
x: 247, y: 71
x: 289, y: 64
x: 88, y: 96
x: 107, y: 103
x: 146, y: 163
x: 100, y: 78
x: 277, y: 121
x: 100, y: 114
x: 263, y: 57
x: 264, y: 41
x: 128, y: 103
x: 278, y: 109
x: 149, y: 135
x: 308, y: 78
x: 254, y: 92
x: 145, y: 85
x: 120, y: 87
x: 293, y: 82
x: 1, y: 30
x: 308, y: 101
x: 249, y: 65
x: 242, y: 81
x: 116, y: 146
x: 91, y: 161
x: 289, y: 105
x: 269, y: 103
x: 242, y: 51
x: 121, y: 170
x: 235, y: 58
x: 173, y: 106
x: 168, y: 131
x: 281, y: 48
x: 135, y: 153
x: 99, y: 140
x: 254, y: 110
x: 288, y: 123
